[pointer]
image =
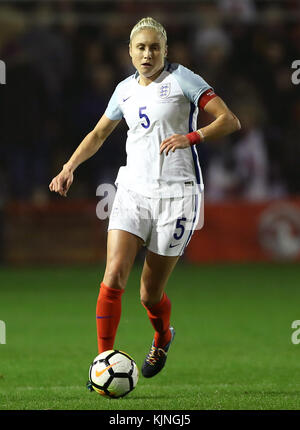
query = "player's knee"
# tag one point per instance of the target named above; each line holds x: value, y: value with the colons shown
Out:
x: 145, y: 301
x: 149, y: 297
x: 115, y: 276
x: 150, y: 301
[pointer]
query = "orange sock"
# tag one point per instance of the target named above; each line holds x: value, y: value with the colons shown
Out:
x: 159, y: 316
x: 108, y: 314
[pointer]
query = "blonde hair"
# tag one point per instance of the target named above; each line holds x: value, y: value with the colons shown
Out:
x: 148, y: 23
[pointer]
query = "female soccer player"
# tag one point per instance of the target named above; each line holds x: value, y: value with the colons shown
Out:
x: 159, y: 191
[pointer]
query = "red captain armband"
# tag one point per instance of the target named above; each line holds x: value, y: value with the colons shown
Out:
x: 205, y: 98
x: 195, y: 137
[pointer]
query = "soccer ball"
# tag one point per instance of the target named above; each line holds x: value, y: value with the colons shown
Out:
x: 113, y: 373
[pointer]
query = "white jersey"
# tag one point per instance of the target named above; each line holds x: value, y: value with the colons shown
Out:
x: 167, y: 106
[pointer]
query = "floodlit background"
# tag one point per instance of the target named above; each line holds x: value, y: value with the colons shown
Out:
x: 235, y: 292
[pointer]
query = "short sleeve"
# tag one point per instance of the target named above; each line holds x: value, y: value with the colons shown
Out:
x: 191, y: 84
x: 113, y: 110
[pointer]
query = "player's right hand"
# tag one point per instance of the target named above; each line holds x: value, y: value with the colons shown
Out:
x: 62, y: 182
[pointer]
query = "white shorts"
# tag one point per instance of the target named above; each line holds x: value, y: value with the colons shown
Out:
x: 165, y: 225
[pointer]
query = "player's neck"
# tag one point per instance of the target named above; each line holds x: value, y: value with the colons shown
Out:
x: 144, y: 81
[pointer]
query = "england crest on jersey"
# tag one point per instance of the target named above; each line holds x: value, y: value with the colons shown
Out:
x: 164, y: 90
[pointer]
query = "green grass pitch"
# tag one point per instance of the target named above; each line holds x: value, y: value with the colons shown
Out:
x: 232, y: 349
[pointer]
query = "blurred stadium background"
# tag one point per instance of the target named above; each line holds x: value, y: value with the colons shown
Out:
x: 240, y: 273
x: 63, y: 59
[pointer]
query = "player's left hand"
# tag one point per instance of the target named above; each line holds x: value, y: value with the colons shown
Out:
x: 174, y: 142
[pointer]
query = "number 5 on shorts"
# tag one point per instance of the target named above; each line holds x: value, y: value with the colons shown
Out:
x: 180, y: 227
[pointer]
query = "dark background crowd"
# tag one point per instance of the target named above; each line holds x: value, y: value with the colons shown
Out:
x: 64, y: 58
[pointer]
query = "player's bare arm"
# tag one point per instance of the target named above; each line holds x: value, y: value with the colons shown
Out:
x: 225, y: 123
x: 87, y: 148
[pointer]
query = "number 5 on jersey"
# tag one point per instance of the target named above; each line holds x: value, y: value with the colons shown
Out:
x: 145, y: 117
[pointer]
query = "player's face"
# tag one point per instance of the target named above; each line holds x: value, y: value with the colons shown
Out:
x: 148, y: 50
